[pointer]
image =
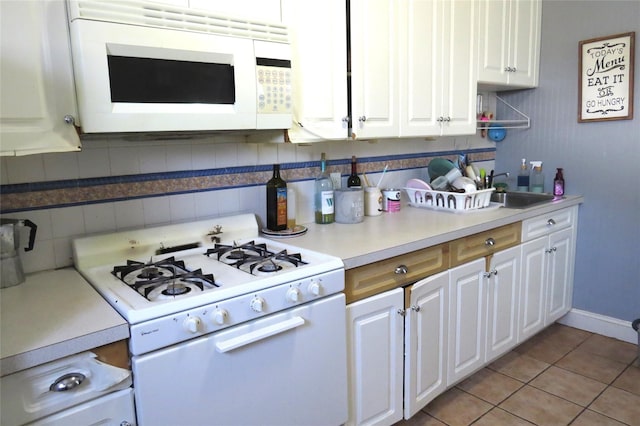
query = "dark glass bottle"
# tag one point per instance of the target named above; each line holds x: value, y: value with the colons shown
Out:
x: 354, y: 179
x: 558, y: 183
x: 276, y: 201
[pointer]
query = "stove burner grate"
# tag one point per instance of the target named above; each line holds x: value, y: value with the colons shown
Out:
x: 269, y: 262
x: 168, y: 273
x: 227, y: 252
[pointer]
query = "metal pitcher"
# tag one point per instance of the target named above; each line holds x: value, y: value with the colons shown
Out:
x: 10, y: 263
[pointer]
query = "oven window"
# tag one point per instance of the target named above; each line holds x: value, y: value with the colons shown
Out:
x: 147, y: 80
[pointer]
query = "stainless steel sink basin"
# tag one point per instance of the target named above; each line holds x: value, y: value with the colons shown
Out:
x: 520, y: 200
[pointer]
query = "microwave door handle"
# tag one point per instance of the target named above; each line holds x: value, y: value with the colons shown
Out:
x: 257, y: 335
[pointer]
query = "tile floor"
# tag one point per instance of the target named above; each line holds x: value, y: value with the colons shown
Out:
x: 562, y: 376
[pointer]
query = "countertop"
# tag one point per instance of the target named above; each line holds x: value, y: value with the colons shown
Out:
x: 412, y: 228
x: 51, y: 315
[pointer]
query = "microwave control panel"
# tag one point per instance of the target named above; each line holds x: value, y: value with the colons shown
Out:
x: 274, y: 86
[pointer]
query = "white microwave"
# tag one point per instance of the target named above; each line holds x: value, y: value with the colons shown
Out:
x: 147, y: 67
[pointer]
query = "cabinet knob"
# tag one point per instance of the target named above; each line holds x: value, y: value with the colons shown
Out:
x: 490, y: 242
x: 345, y: 119
x: 447, y: 119
x: 440, y: 119
x: 401, y: 270
x: 362, y: 119
x: 401, y: 312
x: 415, y: 308
x: 69, y: 119
x: 551, y: 222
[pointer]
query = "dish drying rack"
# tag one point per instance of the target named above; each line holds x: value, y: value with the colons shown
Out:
x: 451, y: 201
x: 514, y: 118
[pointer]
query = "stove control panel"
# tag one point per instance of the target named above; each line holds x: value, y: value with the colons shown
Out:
x: 160, y: 332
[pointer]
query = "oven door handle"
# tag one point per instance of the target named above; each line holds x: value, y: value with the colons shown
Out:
x: 254, y: 336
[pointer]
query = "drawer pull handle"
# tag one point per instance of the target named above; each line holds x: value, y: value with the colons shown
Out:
x: 401, y: 270
x: 490, y: 242
x: 67, y: 382
x: 551, y: 222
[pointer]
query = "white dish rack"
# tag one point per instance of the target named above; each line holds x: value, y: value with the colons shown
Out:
x: 450, y: 201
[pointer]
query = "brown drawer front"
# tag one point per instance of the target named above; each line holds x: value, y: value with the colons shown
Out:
x: 485, y: 243
x: 378, y: 277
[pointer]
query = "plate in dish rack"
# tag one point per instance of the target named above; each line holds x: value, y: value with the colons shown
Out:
x: 287, y: 233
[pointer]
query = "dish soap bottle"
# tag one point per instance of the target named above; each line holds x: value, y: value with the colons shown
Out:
x: 537, y: 178
x: 276, y: 201
x: 354, y: 179
x: 523, y: 176
x: 324, y: 208
x: 558, y: 183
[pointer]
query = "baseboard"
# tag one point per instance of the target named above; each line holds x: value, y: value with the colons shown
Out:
x: 600, y: 324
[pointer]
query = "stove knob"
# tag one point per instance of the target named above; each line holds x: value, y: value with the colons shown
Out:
x: 257, y: 304
x: 192, y: 324
x: 315, y: 288
x: 293, y: 295
x: 220, y: 316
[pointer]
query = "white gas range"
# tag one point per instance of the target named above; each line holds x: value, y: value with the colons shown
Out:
x: 216, y: 292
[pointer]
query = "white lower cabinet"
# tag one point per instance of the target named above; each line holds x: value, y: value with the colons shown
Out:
x: 548, y: 256
x: 503, y: 292
x: 466, y: 319
x: 375, y: 330
x: 425, y: 342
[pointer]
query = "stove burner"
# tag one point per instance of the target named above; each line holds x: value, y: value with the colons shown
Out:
x: 176, y: 289
x: 269, y: 267
x: 236, y: 254
x: 228, y: 253
x: 168, y: 277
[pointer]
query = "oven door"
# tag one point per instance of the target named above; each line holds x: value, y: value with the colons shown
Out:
x: 285, y: 369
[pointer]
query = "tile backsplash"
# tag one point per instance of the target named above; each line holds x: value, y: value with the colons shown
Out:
x: 117, y: 184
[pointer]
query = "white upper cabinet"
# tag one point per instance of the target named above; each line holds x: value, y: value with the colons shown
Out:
x: 37, y: 100
x: 437, y: 67
x: 509, y: 42
x: 374, y: 68
x: 318, y: 33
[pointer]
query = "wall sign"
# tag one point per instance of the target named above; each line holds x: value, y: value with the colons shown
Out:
x: 606, y: 78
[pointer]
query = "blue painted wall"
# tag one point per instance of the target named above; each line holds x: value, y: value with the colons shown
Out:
x: 600, y: 160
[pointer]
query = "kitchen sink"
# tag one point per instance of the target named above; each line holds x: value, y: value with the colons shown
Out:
x: 520, y: 200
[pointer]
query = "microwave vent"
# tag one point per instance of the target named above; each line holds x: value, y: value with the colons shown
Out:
x: 167, y: 16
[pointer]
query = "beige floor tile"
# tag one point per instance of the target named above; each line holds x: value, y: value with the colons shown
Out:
x: 457, y: 408
x: 568, y: 385
x: 629, y: 380
x: 591, y: 365
x: 420, y: 419
x: 490, y: 386
x: 564, y: 335
x: 591, y: 418
x: 540, y: 407
x: 606, y: 347
x: 544, y: 349
x: 500, y: 417
x: 618, y: 404
x: 520, y: 367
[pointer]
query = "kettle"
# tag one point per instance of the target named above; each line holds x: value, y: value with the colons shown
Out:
x: 10, y: 264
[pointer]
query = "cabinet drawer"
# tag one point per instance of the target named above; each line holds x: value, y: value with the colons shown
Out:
x: 484, y: 243
x: 381, y: 276
x: 544, y: 225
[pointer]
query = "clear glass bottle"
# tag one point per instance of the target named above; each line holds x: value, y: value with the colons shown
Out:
x: 537, y: 177
x: 324, y: 206
x: 354, y: 179
x: 276, y: 201
x: 523, y: 176
x: 558, y: 183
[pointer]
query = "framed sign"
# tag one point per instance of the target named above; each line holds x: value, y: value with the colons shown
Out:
x: 605, y: 89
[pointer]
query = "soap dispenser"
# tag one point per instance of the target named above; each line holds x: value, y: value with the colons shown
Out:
x: 523, y: 176
x: 558, y: 183
x: 537, y: 178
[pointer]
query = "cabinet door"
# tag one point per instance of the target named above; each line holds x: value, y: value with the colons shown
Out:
x: 560, y: 274
x: 459, y: 85
x: 493, y: 40
x: 36, y: 79
x: 524, y: 40
x: 374, y: 343
x: 426, y: 342
x: 467, y: 302
x: 503, y: 285
x: 318, y: 34
x: 532, y: 288
x: 420, y: 63
x: 374, y: 64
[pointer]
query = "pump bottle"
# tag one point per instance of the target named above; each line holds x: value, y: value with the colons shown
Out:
x: 523, y: 176
x: 537, y: 178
